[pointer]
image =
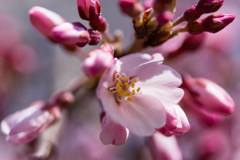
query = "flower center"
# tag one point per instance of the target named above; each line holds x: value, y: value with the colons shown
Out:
x: 125, y: 87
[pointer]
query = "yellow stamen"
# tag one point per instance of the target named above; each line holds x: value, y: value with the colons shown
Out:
x: 123, y: 94
x: 120, y: 78
x: 133, y: 84
x: 129, y: 99
x: 133, y: 92
x: 126, y: 85
x: 138, y: 89
x: 126, y: 79
x: 128, y: 93
x: 119, y: 83
x: 135, y: 80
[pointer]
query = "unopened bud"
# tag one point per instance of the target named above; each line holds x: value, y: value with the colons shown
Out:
x: 164, y: 17
x: 99, y: 24
x: 209, y: 6
x: 95, y: 37
x: 97, y: 62
x: 44, y: 20
x: 209, y: 95
x: 89, y: 9
x: 216, y: 22
x: 112, y: 132
x: 131, y: 7
x: 191, y: 14
x: 71, y: 34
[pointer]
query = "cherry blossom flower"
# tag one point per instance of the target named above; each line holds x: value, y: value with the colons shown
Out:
x: 136, y: 90
x: 25, y: 125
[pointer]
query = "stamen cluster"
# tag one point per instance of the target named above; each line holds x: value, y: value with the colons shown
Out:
x: 124, y: 88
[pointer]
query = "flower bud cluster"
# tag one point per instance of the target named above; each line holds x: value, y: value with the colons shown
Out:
x: 203, y: 6
x: 90, y: 10
x: 54, y: 27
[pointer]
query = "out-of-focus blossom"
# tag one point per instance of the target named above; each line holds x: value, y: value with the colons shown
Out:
x: 98, y: 61
x: 25, y: 125
x: 131, y: 7
x: 23, y: 58
x: 208, y: 95
x: 136, y: 90
x: 164, y: 148
x: 89, y: 9
x: 147, y: 4
x: 44, y: 20
x: 176, y: 123
x: 71, y: 34
x: 112, y: 132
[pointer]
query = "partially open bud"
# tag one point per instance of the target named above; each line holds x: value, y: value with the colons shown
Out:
x: 71, y: 34
x: 209, y: 6
x: 131, y: 7
x: 95, y: 37
x: 209, y: 96
x: 112, y: 132
x: 97, y: 62
x: 89, y: 9
x: 176, y: 123
x: 44, y: 20
x: 25, y: 125
x: 163, y: 148
x: 217, y: 22
x: 99, y: 24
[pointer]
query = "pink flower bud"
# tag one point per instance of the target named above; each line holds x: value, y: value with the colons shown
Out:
x: 147, y: 4
x: 217, y: 22
x: 25, y: 125
x: 99, y: 24
x: 176, y: 123
x: 44, y: 20
x: 89, y: 9
x: 95, y: 37
x: 131, y: 7
x: 209, y: 96
x: 209, y: 6
x: 97, y: 62
x: 164, y: 17
x: 71, y: 34
x: 164, y: 148
x: 112, y: 132
x: 191, y: 14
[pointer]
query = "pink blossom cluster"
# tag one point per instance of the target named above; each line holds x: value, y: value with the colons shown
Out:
x: 147, y: 89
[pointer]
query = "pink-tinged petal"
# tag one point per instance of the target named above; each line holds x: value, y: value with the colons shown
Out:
x: 162, y: 81
x: 132, y: 61
x: 71, y: 34
x: 141, y: 116
x: 177, y: 122
x: 183, y: 125
x: 44, y: 20
x: 112, y: 132
x: 164, y: 148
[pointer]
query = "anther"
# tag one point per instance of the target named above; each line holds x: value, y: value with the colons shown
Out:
x: 133, y: 92
x: 129, y: 99
x: 135, y: 80
x: 126, y: 79
x: 138, y: 89
x: 120, y: 78
x: 133, y: 84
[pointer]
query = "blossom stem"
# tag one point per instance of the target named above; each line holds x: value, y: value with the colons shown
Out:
x: 46, y: 145
x: 178, y: 21
x: 137, y: 46
x: 109, y: 38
